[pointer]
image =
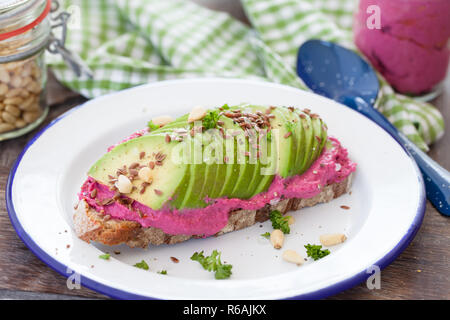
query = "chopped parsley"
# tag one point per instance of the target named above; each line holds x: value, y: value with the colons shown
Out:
x: 105, y: 256
x: 266, y: 235
x: 213, y: 263
x: 210, y: 120
x: 290, y: 127
x: 280, y: 222
x: 152, y: 126
x: 225, y: 107
x: 162, y: 272
x: 316, y: 252
x: 141, y: 265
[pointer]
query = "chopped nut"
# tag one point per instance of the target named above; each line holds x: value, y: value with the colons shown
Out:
x: 197, y: 113
x: 332, y: 239
x: 162, y: 120
x: 145, y: 174
x: 277, y: 238
x: 124, y: 184
x: 293, y: 257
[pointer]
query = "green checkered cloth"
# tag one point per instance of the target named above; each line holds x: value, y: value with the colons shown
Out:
x: 132, y: 42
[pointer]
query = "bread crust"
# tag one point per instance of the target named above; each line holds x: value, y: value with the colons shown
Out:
x: 93, y: 226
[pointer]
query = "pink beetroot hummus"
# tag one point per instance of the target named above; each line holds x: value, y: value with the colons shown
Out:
x: 411, y: 48
x: 332, y: 166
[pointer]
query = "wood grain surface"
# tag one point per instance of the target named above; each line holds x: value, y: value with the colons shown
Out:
x: 422, y: 271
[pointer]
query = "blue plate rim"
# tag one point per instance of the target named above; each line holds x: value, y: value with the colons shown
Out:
x: 126, y: 295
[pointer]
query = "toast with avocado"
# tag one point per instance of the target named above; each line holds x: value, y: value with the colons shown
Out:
x: 210, y: 172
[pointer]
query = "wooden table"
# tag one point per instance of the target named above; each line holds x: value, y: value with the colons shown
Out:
x: 421, y: 272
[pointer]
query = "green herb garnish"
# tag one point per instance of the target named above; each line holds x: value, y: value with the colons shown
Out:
x: 266, y: 235
x: 316, y: 252
x: 213, y: 263
x: 280, y: 222
x: 105, y: 256
x: 210, y: 120
x: 152, y: 126
x: 289, y: 127
x: 141, y: 265
x: 162, y: 272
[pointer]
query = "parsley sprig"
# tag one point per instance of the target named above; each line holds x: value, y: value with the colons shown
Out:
x: 152, y: 126
x: 210, y: 120
x: 141, y: 265
x: 105, y: 256
x: 280, y: 222
x: 316, y: 252
x: 266, y: 235
x: 213, y: 263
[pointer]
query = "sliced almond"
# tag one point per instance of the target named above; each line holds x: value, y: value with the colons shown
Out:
x: 328, y: 240
x: 197, y: 113
x: 162, y: 120
x: 277, y: 238
x: 293, y: 257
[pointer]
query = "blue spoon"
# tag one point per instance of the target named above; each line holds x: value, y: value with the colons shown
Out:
x: 340, y: 74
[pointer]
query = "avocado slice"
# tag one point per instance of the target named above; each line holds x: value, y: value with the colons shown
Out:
x: 319, y: 138
x: 228, y: 169
x: 293, y: 127
x: 301, y: 139
x: 245, y: 168
x: 280, y: 128
x: 211, y: 144
x: 169, y: 179
x: 192, y: 199
x: 180, y: 122
x: 308, y: 140
x: 255, y: 154
x: 268, y: 163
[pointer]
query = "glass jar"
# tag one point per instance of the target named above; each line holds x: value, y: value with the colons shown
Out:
x: 24, y: 35
x: 407, y: 41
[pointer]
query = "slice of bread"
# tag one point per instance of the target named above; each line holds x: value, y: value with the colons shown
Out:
x: 93, y: 226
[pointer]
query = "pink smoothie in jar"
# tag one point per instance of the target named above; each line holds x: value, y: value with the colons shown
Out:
x: 411, y: 47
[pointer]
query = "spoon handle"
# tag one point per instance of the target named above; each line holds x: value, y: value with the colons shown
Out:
x: 436, y: 178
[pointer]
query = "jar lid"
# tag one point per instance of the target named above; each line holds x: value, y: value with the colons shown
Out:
x: 23, y: 5
x: 6, y: 5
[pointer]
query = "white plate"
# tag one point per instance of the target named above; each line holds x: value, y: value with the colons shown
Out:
x: 386, y: 204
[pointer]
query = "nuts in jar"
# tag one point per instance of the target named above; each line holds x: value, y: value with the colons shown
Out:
x: 24, y: 35
x: 20, y: 93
